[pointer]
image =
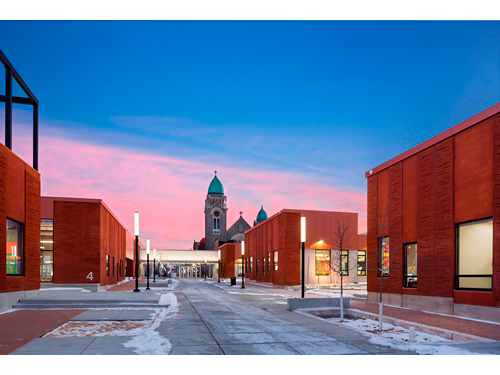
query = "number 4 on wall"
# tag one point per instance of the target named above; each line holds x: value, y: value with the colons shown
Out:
x: 89, y: 276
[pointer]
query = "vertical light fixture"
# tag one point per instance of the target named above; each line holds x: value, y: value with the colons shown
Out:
x: 147, y: 254
x: 136, y: 234
x: 154, y: 265
x: 242, y: 264
x: 218, y: 255
x: 303, y: 240
x: 205, y: 267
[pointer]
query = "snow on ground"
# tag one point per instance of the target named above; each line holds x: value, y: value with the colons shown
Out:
x: 145, y: 339
x: 398, y: 338
x: 99, y: 328
x: 151, y: 342
x: 51, y: 289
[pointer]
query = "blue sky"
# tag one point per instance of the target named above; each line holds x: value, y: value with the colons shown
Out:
x: 326, y: 100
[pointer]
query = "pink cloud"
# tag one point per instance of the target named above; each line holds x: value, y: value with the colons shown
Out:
x: 169, y: 192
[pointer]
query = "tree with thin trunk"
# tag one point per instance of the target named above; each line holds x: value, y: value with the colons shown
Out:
x: 336, y: 262
x: 382, y: 222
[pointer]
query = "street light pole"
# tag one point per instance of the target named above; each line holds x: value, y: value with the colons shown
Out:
x: 218, y: 253
x: 303, y: 240
x: 136, y: 234
x: 243, y: 264
x: 154, y: 265
x: 147, y: 255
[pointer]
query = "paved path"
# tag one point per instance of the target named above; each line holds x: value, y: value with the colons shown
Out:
x: 236, y: 321
x: 450, y: 322
x: 17, y: 328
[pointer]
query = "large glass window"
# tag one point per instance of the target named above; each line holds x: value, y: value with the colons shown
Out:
x: 15, y: 248
x: 384, y: 253
x: 46, y: 250
x: 410, y: 265
x: 276, y: 260
x: 256, y: 267
x: 361, y: 263
x: 322, y: 262
x: 269, y: 261
x: 475, y: 255
x: 251, y: 264
x: 263, y: 266
x: 344, y: 261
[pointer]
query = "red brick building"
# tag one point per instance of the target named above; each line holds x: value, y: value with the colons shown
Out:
x: 230, y: 260
x: 273, y: 248
x: 20, y: 209
x: 88, y: 244
x: 438, y: 247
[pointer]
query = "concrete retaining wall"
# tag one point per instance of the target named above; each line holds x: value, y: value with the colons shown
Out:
x: 7, y: 300
x: 310, y: 303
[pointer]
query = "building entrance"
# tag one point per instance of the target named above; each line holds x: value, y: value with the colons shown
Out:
x: 190, y: 271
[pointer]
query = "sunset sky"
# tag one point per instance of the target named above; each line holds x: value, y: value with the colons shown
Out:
x: 291, y: 114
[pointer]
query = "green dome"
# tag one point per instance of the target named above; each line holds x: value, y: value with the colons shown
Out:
x: 215, y: 186
x: 262, y: 215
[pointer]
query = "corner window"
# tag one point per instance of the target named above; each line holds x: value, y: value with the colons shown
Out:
x: 383, y: 256
x: 276, y: 260
x: 474, y: 255
x: 361, y: 263
x: 322, y: 262
x: 410, y: 265
x: 15, y: 248
x: 344, y: 261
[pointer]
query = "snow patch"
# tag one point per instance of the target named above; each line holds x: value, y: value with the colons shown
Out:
x: 151, y: 342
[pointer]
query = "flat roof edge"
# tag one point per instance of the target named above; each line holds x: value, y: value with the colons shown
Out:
x: 471, y: 121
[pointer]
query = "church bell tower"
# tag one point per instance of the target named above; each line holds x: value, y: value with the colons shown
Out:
x: 215, y: 213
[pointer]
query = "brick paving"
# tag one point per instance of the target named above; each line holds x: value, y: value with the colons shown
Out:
x: 128, y: 285
x: 453, y: 323
x: 17, y: 328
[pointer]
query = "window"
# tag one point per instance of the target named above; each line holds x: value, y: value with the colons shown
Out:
x: 474, y: 255
x: 410, y: 265
x: 269, y: 261
x: 256, y: 267
x: 107, y: 265
x: 276, y: 260
x: 113, y: 266
x: 344, y: 262
x: 46, y: 250
x: 361, y: 263
x: 14, y: 248
x: 251, y: 264
x: 322, y: 262
x: 263, y: 266
x: 246, y: 266
x: 383, y: 257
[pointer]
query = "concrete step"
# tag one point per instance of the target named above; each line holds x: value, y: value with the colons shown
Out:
x: 77, y: 306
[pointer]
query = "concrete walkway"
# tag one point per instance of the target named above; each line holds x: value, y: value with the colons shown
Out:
x: 488, y: 330
x: 215, y: 321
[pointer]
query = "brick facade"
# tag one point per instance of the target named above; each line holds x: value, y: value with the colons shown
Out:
x: 85, y: 233
x: 450, y: 179
x: 20, y: 201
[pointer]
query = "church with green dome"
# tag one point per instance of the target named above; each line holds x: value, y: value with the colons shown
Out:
x: 216, y: 219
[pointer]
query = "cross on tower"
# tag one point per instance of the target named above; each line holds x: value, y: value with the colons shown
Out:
x: 215, y: 172
x: 241, y: 213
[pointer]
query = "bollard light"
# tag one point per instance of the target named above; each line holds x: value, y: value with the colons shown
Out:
x: 303, y: 240
x: 147, y: 267
x: 242, y: 264
x: 136, y: 234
